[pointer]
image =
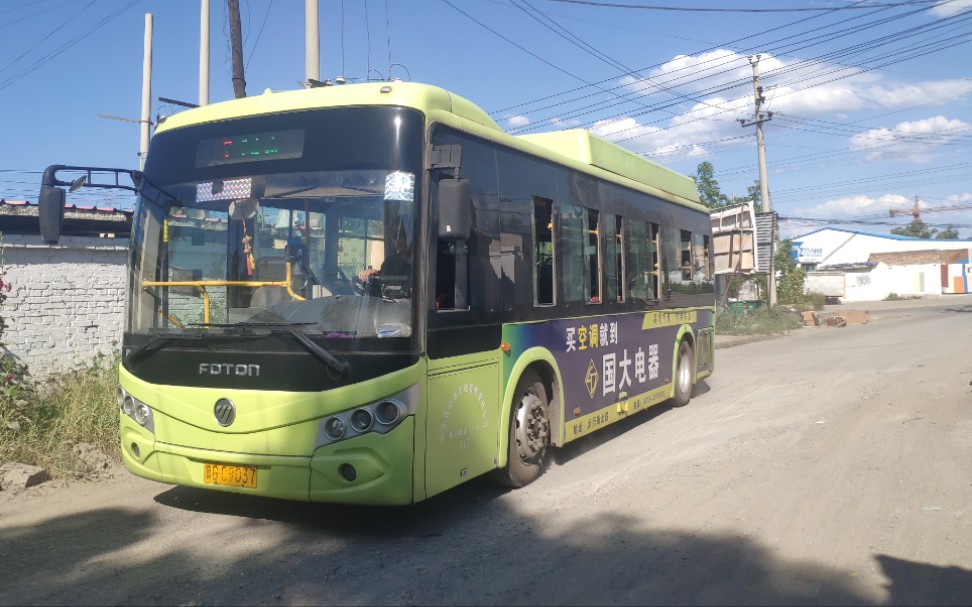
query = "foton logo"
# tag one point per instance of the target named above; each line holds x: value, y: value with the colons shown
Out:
x: 228, y: 369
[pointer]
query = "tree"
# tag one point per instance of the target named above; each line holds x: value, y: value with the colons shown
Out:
x: 755, y: 193
x: 915, y: 229
x: 949, y: 233
x: 709, y: 192
x: 790, y: 288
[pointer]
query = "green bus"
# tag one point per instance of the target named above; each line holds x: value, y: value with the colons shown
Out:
x: 371, y: 293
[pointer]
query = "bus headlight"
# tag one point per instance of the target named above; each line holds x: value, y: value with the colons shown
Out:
x: 143, y: 414
x: 128, y: 406
x: 335, y: 428
x: 135, y: 409
x: 361, y: 420
x: 387, y: 412
x: 378, y: 417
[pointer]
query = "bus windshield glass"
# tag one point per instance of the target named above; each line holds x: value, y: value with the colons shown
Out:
x: 305, y: 220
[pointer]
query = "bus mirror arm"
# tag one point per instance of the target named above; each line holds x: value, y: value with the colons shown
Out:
x: 51, y: 200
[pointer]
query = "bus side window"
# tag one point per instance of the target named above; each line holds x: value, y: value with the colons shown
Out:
x: 641, y: 270
x: 685, y: 252
x: 655, y: 273
x: 543, y: 251
x: 451, y: 275
x: 700, y: 258
x: 592, y: 253
x: 616, y: 257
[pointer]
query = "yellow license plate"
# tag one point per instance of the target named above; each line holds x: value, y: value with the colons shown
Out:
x: 232, y: 476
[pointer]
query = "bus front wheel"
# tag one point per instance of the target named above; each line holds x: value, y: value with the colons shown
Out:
x: 529, y: 433
x: 684, y: 375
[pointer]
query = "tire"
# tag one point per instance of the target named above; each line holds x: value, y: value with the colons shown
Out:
x: 684, y: 375
x: 529, y: 433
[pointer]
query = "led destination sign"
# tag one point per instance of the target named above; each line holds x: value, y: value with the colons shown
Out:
x: 252, y: 147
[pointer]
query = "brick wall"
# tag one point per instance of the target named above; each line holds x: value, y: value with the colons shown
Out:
x: 67, y: 302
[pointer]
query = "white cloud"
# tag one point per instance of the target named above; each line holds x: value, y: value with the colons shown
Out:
x: 513, y: 122
x: 909, y: 141
x: 690, y: 75
x: 950, y: 8
x: 855, y: 206
x: 693, y: 131
x: 915, y: 94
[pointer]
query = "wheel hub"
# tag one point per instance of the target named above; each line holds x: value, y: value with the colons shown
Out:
x: 532, y: 427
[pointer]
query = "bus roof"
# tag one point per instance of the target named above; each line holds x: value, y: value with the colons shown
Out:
x: 576, y: 146
x: 590, y: 149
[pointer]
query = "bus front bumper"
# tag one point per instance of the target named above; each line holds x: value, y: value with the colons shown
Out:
x: 371, y: 469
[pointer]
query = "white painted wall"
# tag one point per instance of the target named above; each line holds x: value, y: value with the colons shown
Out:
x: 831, y: 246
x: 66, y: 304
x: 882, y: 280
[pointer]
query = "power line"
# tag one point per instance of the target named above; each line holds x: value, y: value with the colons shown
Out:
x: 686, y: 9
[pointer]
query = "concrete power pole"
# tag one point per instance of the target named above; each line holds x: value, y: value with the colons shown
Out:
x: 146, y: 120
x: 236, y: 41
x: 312, y: 42
x: 758, y: 119
x: 204, y: 52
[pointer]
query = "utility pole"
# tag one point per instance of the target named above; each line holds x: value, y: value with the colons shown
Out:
x: 312, y: 42
x: 758, y: 119
x: 203, y: 52
x: 236, y: 41
x: 146, y: 120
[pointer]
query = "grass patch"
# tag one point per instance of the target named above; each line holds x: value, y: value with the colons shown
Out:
x: 41, y: 422
x: 763, y: 321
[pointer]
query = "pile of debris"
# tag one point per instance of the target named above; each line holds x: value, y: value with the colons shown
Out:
x: 88, y: 462
x: 836, y: 319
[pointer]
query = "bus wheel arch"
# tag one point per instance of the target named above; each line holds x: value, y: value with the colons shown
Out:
x: 683, y: 374
x: 533, y: 415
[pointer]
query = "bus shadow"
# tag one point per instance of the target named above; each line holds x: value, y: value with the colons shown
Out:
x: 605, y: 435
x: 425, y: 519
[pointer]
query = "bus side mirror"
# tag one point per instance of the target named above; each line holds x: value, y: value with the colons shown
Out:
x: 455, y: 209
x: 50, y: 212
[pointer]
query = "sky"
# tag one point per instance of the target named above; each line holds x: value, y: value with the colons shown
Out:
x: 871, y: 100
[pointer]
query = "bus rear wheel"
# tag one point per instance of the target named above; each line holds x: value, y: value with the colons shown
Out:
x: 528, y: 434
x: 684, y: 375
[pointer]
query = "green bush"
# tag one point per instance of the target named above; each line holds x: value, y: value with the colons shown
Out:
x: 762, y: 322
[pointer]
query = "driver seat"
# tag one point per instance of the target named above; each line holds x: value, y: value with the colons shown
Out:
x: 266, y: 296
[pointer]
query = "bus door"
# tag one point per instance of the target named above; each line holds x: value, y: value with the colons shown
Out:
x: 463, y: 347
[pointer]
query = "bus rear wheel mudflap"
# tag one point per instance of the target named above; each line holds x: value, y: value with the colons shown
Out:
x: 684, y: 374
x: 529, y: 434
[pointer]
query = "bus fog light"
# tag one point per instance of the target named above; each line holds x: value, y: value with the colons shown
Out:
x: 361, y: 420
x: 388, y: 412
x: 129, y: 405
x: 335, y: 428
x: 348, y: 472
x: 143, y: 414
x: 120, y: 398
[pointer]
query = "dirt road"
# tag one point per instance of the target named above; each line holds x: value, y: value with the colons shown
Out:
x: 829, y: 466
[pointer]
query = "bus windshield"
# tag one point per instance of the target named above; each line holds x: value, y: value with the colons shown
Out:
x: 284, y: 220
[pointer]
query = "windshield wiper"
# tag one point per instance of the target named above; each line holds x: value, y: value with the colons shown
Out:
x: 340, y: 367
x: 156, y: 342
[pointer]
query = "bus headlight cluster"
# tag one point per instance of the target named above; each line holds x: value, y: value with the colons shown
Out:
x: 136, y: 409
x: 380, y: 417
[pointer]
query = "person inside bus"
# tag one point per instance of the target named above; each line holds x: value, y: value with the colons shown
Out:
x: 394, y: 277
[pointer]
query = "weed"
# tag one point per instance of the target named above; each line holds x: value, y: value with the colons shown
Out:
x: 41, y: 422
x: 761, y: 322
